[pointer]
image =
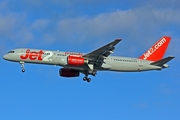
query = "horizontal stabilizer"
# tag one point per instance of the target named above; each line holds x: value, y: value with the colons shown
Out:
x: 162, y: 61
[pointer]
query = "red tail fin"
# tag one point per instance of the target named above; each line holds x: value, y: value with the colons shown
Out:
x: 157, y: 51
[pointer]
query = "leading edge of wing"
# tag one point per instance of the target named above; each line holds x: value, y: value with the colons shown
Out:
x: 104, y: 48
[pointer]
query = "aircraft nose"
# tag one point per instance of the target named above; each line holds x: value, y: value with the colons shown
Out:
x: 5, y: 57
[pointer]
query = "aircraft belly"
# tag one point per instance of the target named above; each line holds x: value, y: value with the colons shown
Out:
x: 76, y: 67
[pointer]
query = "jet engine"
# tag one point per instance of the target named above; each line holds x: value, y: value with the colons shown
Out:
x: 76, y: 60
x: 64, y: 72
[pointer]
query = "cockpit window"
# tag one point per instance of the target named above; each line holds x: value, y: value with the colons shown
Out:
x: 11, y: 52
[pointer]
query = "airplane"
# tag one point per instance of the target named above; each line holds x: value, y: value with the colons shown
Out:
x: 74, y: 63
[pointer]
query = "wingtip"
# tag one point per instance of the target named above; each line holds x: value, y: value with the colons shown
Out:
x: 118, y: 39
x: 172, y: 57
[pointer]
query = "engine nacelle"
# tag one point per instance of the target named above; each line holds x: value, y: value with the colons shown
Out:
x: 76, y: 60
x: 64, y: 72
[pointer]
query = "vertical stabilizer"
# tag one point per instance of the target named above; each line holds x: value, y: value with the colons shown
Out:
x: 157, y: 51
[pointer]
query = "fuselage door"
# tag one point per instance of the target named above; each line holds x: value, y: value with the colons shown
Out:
x: 21, y: 51
x: 111, y: 60
x: 140, y: 62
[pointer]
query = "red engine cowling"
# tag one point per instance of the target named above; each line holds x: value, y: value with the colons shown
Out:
x: 64, y: 72
x: 76, y: 60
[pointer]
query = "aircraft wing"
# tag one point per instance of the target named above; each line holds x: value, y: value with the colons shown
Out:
x: 97, y: 56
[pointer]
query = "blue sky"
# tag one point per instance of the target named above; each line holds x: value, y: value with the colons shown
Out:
x: 82, y: 26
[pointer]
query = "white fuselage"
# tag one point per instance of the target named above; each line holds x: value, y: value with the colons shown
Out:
x: 111, y: 63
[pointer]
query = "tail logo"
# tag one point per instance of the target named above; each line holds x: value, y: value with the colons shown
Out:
x: 154, y: 48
